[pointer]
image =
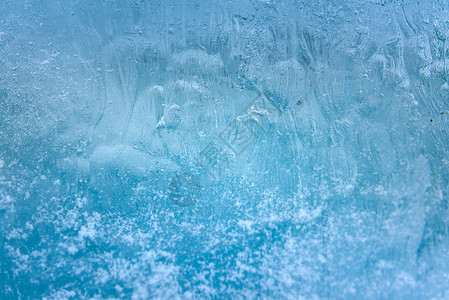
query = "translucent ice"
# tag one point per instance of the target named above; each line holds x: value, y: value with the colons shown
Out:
x: 224, y: 149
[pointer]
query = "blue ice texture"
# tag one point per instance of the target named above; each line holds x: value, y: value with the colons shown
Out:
x: 239, y: 149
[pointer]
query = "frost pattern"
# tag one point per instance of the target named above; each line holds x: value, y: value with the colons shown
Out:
x: 340, y: 192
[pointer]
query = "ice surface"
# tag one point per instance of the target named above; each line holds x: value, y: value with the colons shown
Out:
x: 224, y: 149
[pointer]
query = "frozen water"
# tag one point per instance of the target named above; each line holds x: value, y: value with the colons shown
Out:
x: 224, y: 149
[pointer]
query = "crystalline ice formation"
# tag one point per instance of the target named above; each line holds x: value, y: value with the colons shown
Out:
x: 224, y: 149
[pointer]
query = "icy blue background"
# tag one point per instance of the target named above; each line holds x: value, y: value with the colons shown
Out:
x: 344, y: 196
